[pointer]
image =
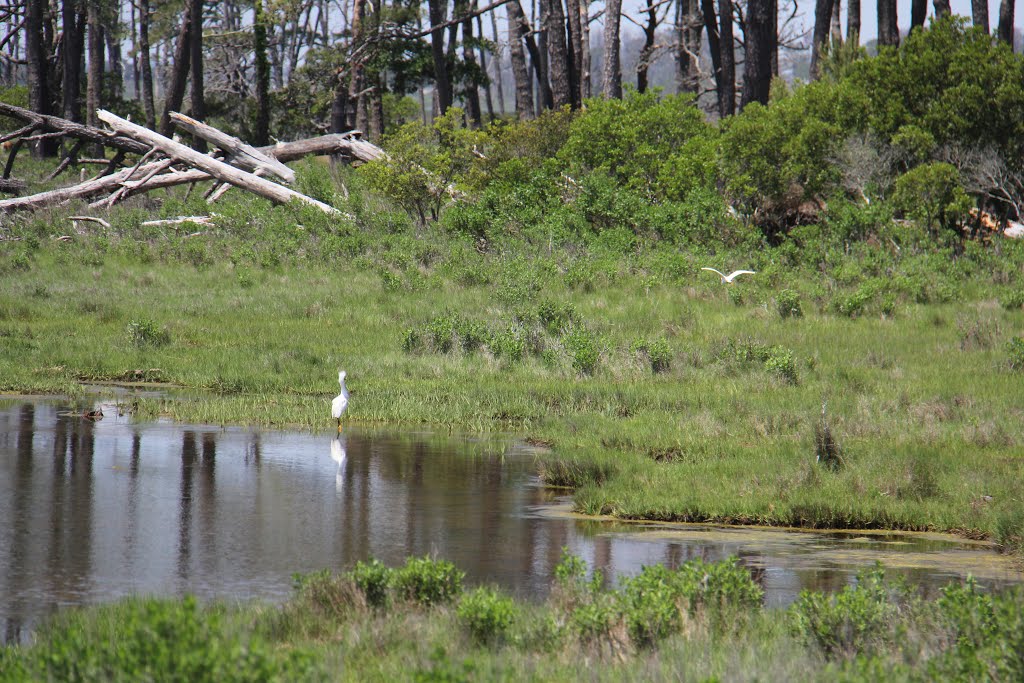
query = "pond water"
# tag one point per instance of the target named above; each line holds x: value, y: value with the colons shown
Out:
x: 96, y: 510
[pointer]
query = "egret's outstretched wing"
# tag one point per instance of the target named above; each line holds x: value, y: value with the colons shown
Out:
x: 720, y: 273
x: 735, y: 273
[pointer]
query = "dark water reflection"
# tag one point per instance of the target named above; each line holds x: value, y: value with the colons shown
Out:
x: 97, y: 510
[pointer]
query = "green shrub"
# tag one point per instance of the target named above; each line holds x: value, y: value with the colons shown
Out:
x: 487, y: 614
x: 854, y: 305
x: 556, y: 317
x: 145, y: 332
x: 860, y: 619
x: 788, y: 304
x: 508, y: 345
x: 657, y: 351
x: 155, y: 640
x: 932, y: 195
x: 1015, y: 351
x: 781, y: 362
x: 582, y: 347
x: 374, y: 579
x: 1013, y: 300
x: 428, y: 581
x: 650, y: 602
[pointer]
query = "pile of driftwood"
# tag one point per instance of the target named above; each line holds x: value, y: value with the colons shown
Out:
x: 164, y: 162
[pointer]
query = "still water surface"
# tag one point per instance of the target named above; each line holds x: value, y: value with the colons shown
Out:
x: 92, y: 511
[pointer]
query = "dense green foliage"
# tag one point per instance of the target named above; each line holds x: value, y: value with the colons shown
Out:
x: 701, y: 621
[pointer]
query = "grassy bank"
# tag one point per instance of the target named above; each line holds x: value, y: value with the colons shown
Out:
x: 662, y: 393
x: 700, y: 622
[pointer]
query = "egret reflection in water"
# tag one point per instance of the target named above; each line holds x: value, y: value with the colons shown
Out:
x: 338, y: 454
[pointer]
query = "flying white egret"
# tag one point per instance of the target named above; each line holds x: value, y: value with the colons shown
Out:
x: 727, y: 279
x: 340, y: 401
x: 338, y: 454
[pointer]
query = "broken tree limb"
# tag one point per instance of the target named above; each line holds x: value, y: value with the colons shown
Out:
x: 337, y: 144
x: 90, y: 219
x: 218, y: 169
x: 198, y: 220
x: 240, y: 154
x: 55, y: 124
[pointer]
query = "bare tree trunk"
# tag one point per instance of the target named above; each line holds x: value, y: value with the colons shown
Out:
x: 145, y: 66
x: 979, y: 14
x: 727, y: 85
x: 115, y: 67
x: 774, y: 39
x: 836, y: 31
x: 357, y: 80
x: 71, y: 58
x: 888, y: 29
x: 483, y: 67
x: 714, y: 42
x: 1005, y: 29
x: 853, y: 22
x: 757, y: 65
x: 179, y: 75
x: 196, y: 64
x: 586, y: 84
x: 262, y: 68
x: 375, y: 100
x: 498, y: 58
x: 575, y: 30
x: 472, y: 93
x: 536, y: 56
x: 520, y: 71
x: 688, y: 33
x: 94, y: 88
x: 942, y: 8
x: 822, y: 26
x: 612, y: 66
x: 553, y: 20
x: 918, y: 13
x: 442, y: 86
x: 643, y: 62
x: 36, y: 56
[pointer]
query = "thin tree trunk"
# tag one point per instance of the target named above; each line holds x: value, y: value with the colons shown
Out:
x: 357, y: 76
x: 483, y: 67
x: 536, y: 57
x: 918, y: 13
x: 262, y: 68
x: 94, y: 88
x: 442, y: 86
x: 757, y: 65
x: 115, y: 67
x: 144, y: 65
x: 612, y: 87
x: 196, y: 64
x: 553, y: 20
x: 688, y: 35
x: 714, y: 42
x: 774, y: 46
x: 71, y: 57
x: 472, y: 93
x: 1005, y: 29
x: 179, y: 75
x: 575, y: 32
x: 586, y: 81
x: 520, y: 70
x: 643, y: 62
x: 853, y: 21
x: 727, y: 86
x: 498, y: 56
x: 942, y: 8
x: 888, y: 30
x: 36, y: 58
x: 822, y: 26
x: 836, y: 31
x: 979, y: 14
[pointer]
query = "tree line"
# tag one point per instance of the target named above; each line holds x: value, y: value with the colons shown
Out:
x: 270, y: 67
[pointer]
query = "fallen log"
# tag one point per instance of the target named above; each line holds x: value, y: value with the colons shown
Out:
x: 12, y: 186
x: 54, y: 124
x: 239, y: 153
x: 337, y: 144
x: 218, y: 169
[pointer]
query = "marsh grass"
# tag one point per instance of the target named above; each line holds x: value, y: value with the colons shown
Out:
x: 701, y: 621
x: 658, y: 394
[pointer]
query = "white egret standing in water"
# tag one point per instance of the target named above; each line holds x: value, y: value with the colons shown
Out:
x: 340, y: 401
x: 338, y: 454
x: 727, y: 279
